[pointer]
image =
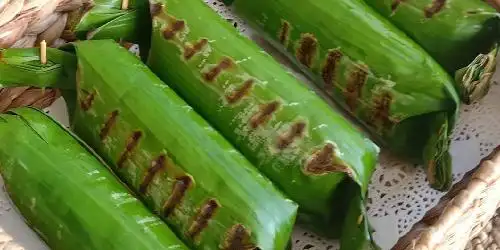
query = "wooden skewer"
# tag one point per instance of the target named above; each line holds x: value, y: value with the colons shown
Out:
x: 124, y: 4
x: 43, y: 52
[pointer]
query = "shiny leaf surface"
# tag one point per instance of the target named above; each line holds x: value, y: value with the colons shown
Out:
x: 67, y: 195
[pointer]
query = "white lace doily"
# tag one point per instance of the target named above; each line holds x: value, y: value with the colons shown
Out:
x: 398, y: 196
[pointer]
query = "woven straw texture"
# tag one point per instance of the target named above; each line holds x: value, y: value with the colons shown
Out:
x: 494, y: 3
x: 24, y: 23
x: 465, y: 218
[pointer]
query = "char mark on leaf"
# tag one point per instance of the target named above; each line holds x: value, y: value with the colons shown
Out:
x: 395, y: 4
x: 156, y: 166
x: 240, y: 92
x: 264, y: 114
x: 307, y: 50
x: 191, y: 50
x: 132, y: 142
x: 436, y: 7
x: 110, y: 122
x: 225, y: 64
x: 323, y: 162
x: 173, y: 28
x: 284, y: 35
x: 201, y: 220
x: 155, y: 9
x: 179, y: 190
x: 238, y: 238
x: 356, y: 81
x: 329, y: 71
x: 88, y: 101
x: 296, y: 131
x: 381, y: 110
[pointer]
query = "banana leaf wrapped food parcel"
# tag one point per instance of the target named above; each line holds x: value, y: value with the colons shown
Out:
x: 110, y: 19
x: 283, y: 127
x: 67, y: 195
x: 22, y: 23
x: 208, y: 193
x: 369, y: 67
x: 461, y: 35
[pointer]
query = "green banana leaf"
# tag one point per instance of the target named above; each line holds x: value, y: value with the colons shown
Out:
x: 461, y: 35
x: 121, y: 25
x: 455, y: 33
x: 67, y: 195
x: 104, y: 19
x: 182, y: 168
x: 24, y: 65
x: 283, y: 127
x: 474, y: 81
x: 369, y: 67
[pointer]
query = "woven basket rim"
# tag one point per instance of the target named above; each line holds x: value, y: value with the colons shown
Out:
x: 443, y: 217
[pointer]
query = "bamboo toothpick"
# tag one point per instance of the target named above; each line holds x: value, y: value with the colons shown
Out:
x: 43, y: 52
x: 124, y: 4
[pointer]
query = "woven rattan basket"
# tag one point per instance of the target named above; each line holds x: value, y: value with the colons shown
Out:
x: 24, y: 24
x: 467, y: 217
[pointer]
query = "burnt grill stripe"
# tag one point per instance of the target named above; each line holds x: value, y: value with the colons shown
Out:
x: 238, y: 238
x: 201, y: 220
x: 156, y: 165
x: 436, y: 7
x: 296, y: 131
x: 191, y: 50
x: 284, y: 34
x: 395, y: 4
x: 110, y: 122
x: 355, y: 83
x: 264, y: 114
x: 329, y: 71
x: 132, y: 142
x: 381, y: 110
x: 308, y: 47
x: 155, y: 9
x: 173, y: 28
x: 179, y: 190
x: 87, y: 103
x: 213, y: 73
x: 240, y: 92
x: 322, y: 162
